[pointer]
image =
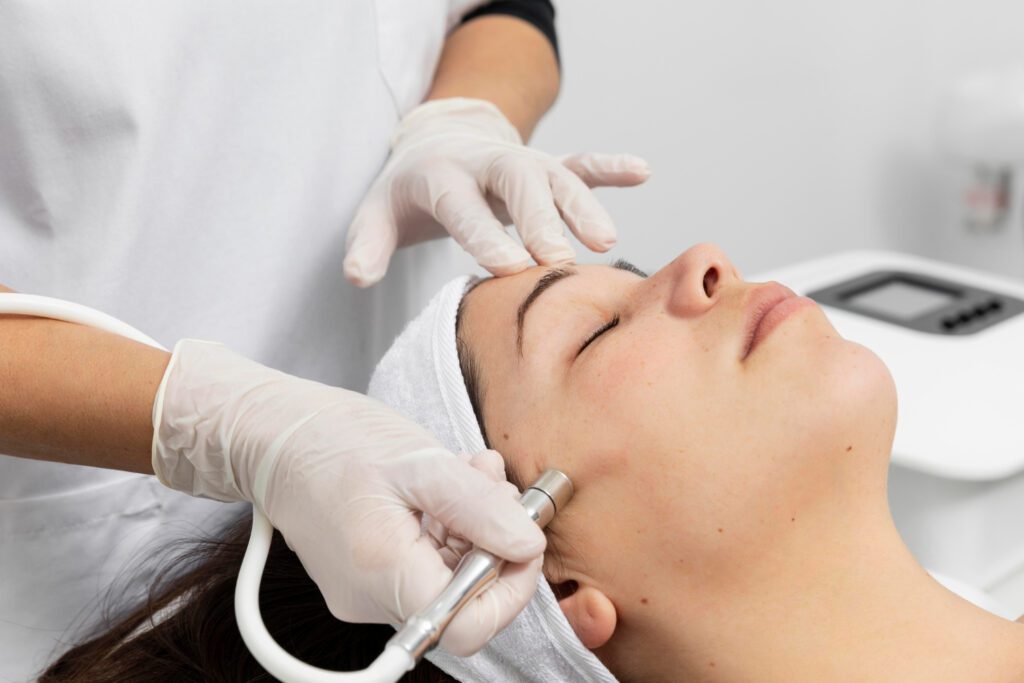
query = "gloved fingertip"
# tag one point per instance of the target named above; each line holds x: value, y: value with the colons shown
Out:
x: 508, y: 532
x: 597, y: 235
x: 557, y: 258
x: 503, y: 269
x: 534, y: 549
x: 366, y: 263
x: 551, y: 248
x: 625, y: 170
x: 462, y: 645
x: 359, y: 275
x: 490, y: 463
x: 523, y: 544
x: 638, y: 178
x: 502, y: 256
x: 637, y: 166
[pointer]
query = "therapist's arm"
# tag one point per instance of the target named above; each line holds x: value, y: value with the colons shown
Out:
x: 504, y: 60
x: 73, y: 394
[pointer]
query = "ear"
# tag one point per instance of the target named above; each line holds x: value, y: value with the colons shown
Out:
x: 591, y: 615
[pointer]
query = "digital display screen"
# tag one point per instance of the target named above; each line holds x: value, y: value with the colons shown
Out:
x: 901, y: 299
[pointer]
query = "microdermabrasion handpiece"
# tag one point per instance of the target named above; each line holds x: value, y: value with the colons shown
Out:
x: 477, y: 570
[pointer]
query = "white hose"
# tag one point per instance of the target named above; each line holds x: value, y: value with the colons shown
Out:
x: 387, y: 668
x: 45, y: 307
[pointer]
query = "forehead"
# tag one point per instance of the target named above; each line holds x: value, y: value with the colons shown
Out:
x: 493, y: 304
x: 499, y: 293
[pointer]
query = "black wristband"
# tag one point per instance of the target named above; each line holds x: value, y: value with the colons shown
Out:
x: 540, y: 13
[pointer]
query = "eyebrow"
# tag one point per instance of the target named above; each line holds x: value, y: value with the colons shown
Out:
x: 546, y: 281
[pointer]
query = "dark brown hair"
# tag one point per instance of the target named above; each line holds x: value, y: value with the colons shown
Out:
x: 199, y: 639
x: 469, y: 367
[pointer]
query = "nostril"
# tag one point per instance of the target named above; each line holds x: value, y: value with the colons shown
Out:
x: 710, y: 280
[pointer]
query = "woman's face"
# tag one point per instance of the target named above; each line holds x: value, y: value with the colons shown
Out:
x: 678, y: 434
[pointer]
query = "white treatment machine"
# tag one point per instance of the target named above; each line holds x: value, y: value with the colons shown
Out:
x: 953, y: 339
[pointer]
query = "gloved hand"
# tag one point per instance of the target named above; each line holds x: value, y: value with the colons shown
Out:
x: 450, y: 157
x: 344, y: 479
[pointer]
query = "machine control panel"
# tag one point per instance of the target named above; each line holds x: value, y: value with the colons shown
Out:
x: 920, y: 302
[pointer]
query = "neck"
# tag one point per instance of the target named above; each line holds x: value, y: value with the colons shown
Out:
x: 841, y: 598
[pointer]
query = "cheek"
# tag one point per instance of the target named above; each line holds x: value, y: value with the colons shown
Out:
x: 634, y: 408
x: 853, y: 420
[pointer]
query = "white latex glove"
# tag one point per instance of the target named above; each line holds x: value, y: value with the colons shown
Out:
x: 449, y: 159
x: 344, y: 478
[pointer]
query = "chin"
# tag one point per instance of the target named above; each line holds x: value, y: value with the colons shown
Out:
x: 836, y: 392
x: 861, y: 385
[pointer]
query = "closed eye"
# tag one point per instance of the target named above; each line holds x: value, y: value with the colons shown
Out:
x: 597, y: 333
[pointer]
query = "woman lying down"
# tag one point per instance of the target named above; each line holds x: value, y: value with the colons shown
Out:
x: 730, y: 521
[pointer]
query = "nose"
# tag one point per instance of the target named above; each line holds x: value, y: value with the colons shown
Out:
x: 694, y: 281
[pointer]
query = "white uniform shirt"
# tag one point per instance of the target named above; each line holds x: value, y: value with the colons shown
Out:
x: 190, y: 167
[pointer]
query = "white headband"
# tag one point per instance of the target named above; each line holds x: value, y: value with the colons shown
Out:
x: 420, y: 377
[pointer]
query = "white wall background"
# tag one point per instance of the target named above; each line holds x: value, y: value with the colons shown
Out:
x: 780, y: 130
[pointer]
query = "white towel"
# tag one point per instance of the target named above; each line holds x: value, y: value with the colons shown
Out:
x: 420, y: 377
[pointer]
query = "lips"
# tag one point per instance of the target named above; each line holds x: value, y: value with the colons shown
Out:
x: 765, y: 308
